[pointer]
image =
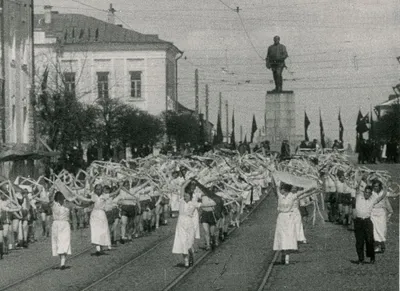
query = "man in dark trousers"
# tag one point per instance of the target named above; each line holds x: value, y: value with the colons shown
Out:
x: 363, y: 227
x: 275, y: 61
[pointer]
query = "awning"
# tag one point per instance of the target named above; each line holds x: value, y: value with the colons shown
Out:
x: 16, y: 155
x: 17, y: 152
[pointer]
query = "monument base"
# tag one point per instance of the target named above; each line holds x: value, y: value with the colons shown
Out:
x: 280, y: 117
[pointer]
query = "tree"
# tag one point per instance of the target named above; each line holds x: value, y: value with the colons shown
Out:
x: 182, y: 127
x: 136, y: 127
x: 65, y: 124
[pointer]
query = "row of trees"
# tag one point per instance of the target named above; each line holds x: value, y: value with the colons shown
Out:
x: 68, y: 126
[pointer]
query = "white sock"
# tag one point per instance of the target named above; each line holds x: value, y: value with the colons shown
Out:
x: 98, y: 248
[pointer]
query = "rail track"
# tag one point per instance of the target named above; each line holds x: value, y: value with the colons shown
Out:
x: 137, y: 259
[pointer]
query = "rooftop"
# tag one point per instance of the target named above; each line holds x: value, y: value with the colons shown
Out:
x: 79, y: 28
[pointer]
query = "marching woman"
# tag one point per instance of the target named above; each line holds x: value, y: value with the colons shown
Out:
x: 185, y: 227
x: 99, y: 231
x: 61, y: 229
x: 285, y: 238
x: 380, y: 214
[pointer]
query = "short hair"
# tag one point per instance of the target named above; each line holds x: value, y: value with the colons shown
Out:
x: 58, y: 197
x: 286, y: 187
x: 368, y: 188
x: 106, y: 187
x: 376, y: 181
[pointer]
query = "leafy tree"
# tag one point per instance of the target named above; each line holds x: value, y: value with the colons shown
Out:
x: 182, y: 127
x: 138, y: 128
x: 65, y: 124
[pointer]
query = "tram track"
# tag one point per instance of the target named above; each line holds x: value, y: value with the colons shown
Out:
x: 181, y: 275
x: 137, y: 259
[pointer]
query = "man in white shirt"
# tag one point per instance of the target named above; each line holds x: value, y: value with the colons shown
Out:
x: 363, y: 227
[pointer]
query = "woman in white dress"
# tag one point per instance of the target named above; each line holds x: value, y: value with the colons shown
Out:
x: 381, y: 213
x: 285, y: 238
x: 60, y: 230
x: 99, y: 230
x: 185, y: 228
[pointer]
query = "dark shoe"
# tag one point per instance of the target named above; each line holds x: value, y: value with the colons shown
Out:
x: 191, y: 258
x: 62, y: 268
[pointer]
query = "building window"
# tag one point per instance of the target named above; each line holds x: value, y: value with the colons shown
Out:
x: 69, y: 82
x: 136, y: 84
x: 102, y: 85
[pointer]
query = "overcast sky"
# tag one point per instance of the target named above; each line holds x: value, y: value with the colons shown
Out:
x: 341, y: 53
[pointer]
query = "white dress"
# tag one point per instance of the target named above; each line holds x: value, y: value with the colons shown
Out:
x: 285, y: 232
x: 99, y: 231
x: 298, y: 222
x: 60, y: 230
x: 196, y: 218
x: 379, y: 220
x: 185, y: 229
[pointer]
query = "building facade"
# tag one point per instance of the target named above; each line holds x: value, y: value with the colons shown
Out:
x: 18, y: 143
x: 16, y: 74
x: 94, y: 59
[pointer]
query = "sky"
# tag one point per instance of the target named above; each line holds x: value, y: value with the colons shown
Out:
x: 342, y: 54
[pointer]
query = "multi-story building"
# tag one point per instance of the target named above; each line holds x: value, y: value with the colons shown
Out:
x: 17, y: 127
x: 16, y: 72
x: 96, y: 59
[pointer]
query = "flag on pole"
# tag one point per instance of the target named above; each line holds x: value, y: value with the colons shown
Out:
x: 341, y: 129
x: 253, y: 128
x: 321, y: 128
x: 219, y: 138
x: 233, y: 140
x: 362, y: 125
x: 306, y: 125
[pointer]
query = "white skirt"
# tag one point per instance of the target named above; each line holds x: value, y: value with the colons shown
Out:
x: 285, y: 232
x: 184, y: 235
x: 99, y: 231
x: 175, y: 202
x: 60, y: 238
x: 379, y: 220
x: 196, y: 222
x: 299, y: 226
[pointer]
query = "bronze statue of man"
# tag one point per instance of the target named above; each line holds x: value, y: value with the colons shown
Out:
x: 275, y: 61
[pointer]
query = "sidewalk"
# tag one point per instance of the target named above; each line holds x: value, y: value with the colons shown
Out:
x: 325, y: 262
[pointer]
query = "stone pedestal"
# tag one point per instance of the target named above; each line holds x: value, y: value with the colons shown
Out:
x: 280, y: 110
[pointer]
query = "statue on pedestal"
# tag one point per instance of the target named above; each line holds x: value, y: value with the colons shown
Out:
x: 275, y: 61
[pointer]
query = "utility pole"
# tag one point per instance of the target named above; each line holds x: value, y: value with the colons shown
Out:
x: 207, y: 104
x: 227, y: 121
x: 196, y: 90
x: 241, y: 133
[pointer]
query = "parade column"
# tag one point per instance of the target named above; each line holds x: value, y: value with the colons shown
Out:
x: 280, y: 114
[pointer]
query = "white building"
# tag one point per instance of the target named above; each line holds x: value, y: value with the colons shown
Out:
x: 96, y: 59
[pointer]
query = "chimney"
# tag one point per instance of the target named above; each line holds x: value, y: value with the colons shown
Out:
x: 47, y: 14
x: 110, y: 15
